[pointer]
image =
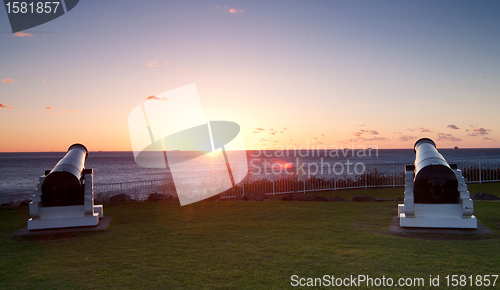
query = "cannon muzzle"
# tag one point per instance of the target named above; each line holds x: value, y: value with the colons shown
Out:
x: 63, y: 185
x: 435, y: 181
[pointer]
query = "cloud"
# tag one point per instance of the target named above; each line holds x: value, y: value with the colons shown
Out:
x: 256, y: 132
x: 489, y: 139
x: 9, y: 80
x: 260, y: 129
x: 361, y: 132
x: 156, y: 98
x: 478, y: 132
x: 44, y: 80
x: 61, y: 111
x: 229, y: 10
x: 410, y: 129
x: 235, y: 10
x: 381, y: 139
x: 155, y: 63
x: 22, y: 34
x: 4, y: 106
x: 424, y: 130
x: 406, y: 138
x: 452, y: 127
x: 272, y: 133
x: 99, y: 91
x: 448, y: 137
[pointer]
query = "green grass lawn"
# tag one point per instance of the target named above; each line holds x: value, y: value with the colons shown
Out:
x: 237, y: 244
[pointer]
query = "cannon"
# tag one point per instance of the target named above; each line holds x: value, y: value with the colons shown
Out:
x: 436, y: 195
x: 63, y: 185
x: 435, y: 181
x: 65, y: 194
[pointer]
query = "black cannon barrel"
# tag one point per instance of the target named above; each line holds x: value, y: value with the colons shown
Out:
x: 435, y: 181
x: 63, y: 186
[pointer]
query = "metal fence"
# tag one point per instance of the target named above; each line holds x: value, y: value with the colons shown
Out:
x: 373, y: 175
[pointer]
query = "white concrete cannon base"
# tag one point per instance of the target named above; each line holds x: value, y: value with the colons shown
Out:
x: 423, y: 215
x: 436, y: 216
x: 64, y: 217
x: 54, y: 217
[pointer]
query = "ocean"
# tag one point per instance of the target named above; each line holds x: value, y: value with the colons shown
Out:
x: 20, y: 171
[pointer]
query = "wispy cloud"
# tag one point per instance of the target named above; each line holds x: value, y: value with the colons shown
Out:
x: 44, y: 80
x: 9, y: 80
x: 371, y: 139
x: 229, y: 10
x: 155, y: 63
x: 424, y: 130
x: 4, y: 106
x: 478, y: 132
x: 448, y: 137
x: 260, y: 129
x: 235, y: 10
x: 406, y: 138
x: 155, y: 98
x: 361, y: 132
x: 22, y: 34
x: 61, y: 111
x: 452, y: 127
x: 489, y: 139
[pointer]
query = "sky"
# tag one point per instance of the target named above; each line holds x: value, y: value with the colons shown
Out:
x: 291, y: 73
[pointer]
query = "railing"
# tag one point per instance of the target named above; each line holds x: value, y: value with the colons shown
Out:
x: 138, y: 190
x: 17, y: 197
x: 374, y: 175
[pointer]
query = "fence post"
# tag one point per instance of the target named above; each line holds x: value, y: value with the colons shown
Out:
x: 480, y: 177
x: 393, y: 175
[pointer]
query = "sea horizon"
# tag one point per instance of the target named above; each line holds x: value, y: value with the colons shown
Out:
x: 21, y: 170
